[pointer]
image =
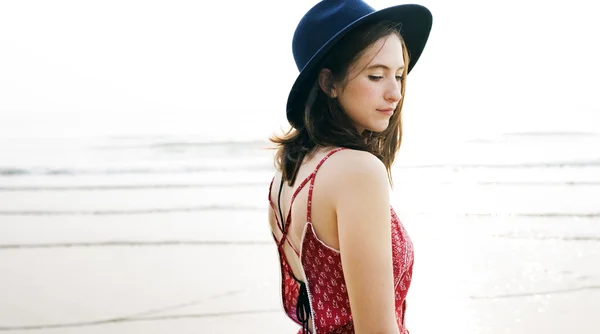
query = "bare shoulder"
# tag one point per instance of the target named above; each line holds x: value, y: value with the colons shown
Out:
x: 354, y: 170
x: 351, y: 162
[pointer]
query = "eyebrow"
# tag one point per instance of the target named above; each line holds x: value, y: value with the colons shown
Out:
x: 383, y: 67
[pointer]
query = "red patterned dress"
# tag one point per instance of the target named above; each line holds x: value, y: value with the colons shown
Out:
x: 323, y: 298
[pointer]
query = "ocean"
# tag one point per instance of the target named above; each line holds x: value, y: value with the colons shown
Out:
x: 113, y: 234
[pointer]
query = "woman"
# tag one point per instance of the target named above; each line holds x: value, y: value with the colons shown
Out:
x: 346, y: 260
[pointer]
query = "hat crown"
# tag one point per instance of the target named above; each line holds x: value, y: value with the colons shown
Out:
x: 321, y: 23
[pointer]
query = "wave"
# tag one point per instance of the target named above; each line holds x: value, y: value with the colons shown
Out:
x: 539, y: 293
x: 97, y: 187
x: 185, y: 144
x: 539, y: 214
x: 519, y: 136
x: 129, y: 211
x: 533, y: 183
x: 551, y: 164
x: 48, y: 171
x: 233, y: 207
x: 134, y: 187
x: 158, y: 243
x: 552, y: 134
x: 550, y: 237
x: 125, y: 319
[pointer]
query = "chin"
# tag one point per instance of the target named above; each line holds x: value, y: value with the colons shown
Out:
x: 378, y: 127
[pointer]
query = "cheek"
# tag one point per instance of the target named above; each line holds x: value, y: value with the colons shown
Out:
x: 363, y: 93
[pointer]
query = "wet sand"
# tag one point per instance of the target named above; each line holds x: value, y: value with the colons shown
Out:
x: 498, y: 250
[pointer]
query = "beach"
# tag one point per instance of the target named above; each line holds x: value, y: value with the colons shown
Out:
x: 168, y: 234
x: 134, y: 171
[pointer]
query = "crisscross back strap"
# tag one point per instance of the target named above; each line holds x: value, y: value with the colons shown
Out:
x: 288, y: 219
x: 279, y: 224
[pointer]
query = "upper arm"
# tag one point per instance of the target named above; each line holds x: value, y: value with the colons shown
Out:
x: 363, y: 217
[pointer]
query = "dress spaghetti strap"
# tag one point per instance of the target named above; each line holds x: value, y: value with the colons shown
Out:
x: 313, y: 176
x: 288, y: 220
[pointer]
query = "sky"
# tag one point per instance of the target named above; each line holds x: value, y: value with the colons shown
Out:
x: 223, y: 69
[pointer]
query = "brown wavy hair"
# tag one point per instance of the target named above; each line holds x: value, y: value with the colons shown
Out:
x: 325, y: 122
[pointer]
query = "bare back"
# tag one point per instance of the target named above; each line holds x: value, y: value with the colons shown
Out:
x: 323, y: 211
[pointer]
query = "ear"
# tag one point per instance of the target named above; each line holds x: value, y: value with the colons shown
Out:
x: 327, y: 83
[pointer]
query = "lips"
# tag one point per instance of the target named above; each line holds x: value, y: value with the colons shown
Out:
x: 387, y: 111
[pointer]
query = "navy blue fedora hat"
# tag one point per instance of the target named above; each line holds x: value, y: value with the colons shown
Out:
x: 328, y: 21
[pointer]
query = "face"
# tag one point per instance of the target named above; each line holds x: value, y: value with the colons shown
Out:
x: 372, y: 90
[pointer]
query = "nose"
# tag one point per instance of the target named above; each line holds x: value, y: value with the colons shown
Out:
x: 393, y: 92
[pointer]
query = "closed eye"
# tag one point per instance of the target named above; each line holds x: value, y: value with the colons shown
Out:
x: 379, y: 77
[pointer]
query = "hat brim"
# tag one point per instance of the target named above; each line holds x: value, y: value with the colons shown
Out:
x: 415, y: 22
